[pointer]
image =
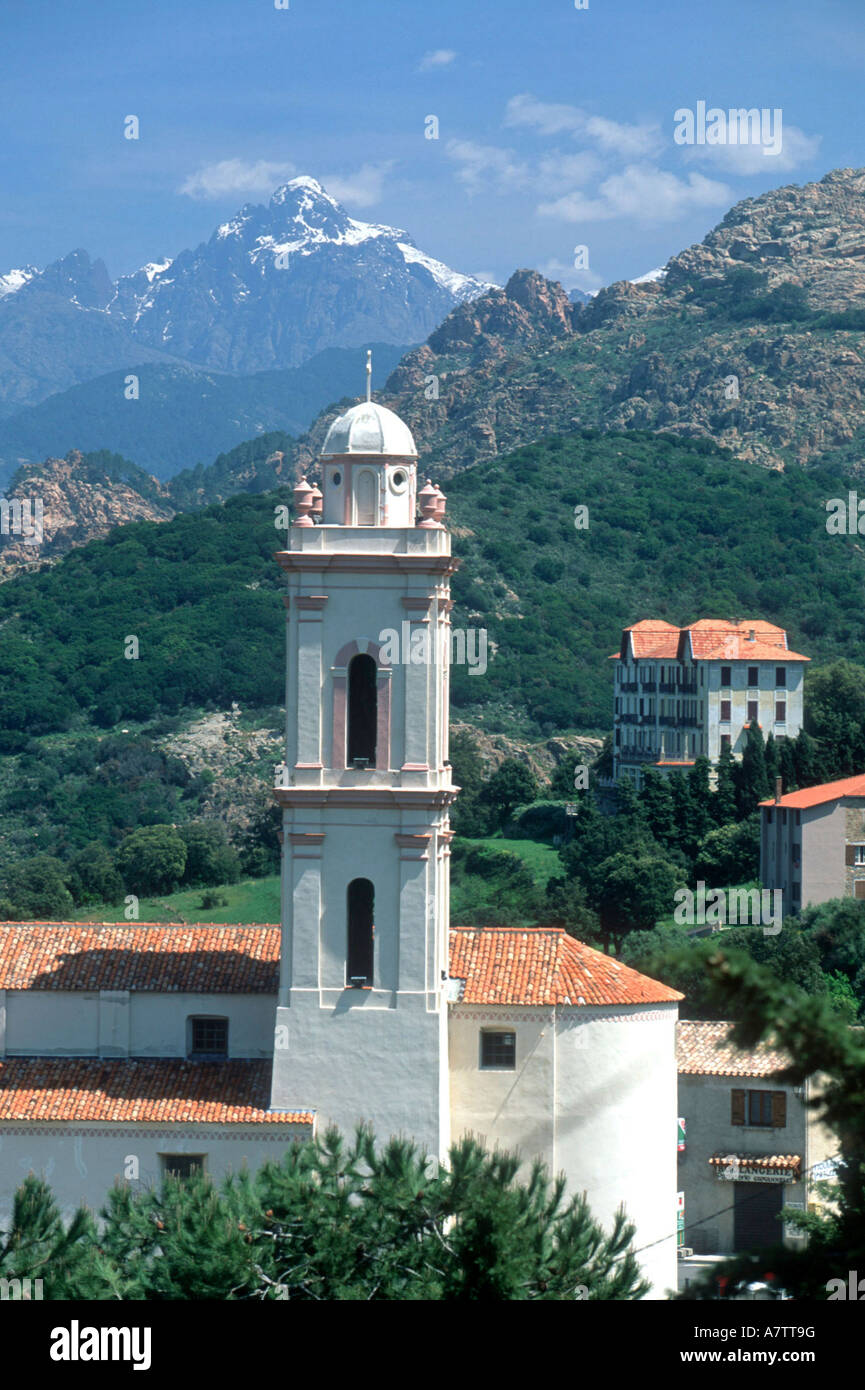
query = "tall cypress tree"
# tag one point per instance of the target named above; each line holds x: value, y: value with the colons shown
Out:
x: 750, y: 779
x: 806, y: 754
x: 725, y: 795
x: 787, y: 764
x: 656, y: 801
x: 701, y: 797
x: 773, y: 762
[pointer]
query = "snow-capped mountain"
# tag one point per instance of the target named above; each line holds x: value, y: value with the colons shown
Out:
x: 274, y: 286
x: 14, y: 279
x: 277, y: 283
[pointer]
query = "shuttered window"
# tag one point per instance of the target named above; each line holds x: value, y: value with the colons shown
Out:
x: 762, y: 1109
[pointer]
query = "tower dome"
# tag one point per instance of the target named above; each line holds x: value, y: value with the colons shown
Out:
x: 369, y: 428
x: 368, y: 469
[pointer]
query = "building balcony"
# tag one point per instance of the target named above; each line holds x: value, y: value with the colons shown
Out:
x: 668, y: 687
x: 628, y: 686
x: 648, y: 685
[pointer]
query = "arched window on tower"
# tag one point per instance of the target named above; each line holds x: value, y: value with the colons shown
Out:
x: 362, y: 711
x: 359, y: 958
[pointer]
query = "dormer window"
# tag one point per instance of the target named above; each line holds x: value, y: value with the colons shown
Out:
x: 207, y: 1037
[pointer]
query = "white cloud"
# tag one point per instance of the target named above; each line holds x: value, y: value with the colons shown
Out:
x: 490, y: 166
x: 642, y: 192
x: 556, y: 118
x: 482, y: 166
x: 229, y: 176
x: 796, y: 148
x: 437, y: 58
x: 363, y: 188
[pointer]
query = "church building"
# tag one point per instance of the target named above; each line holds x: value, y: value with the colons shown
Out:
x: 132, y: 1050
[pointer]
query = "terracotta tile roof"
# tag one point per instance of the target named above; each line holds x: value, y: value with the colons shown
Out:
x: 158, y: 957
x: 704, y: 1049
x: 543, y: 965
x: 538, y: 965
x: 711, y: 639
x: 764, y: 1164
x: 816, y: 796
x: 151, y: 1091
x: 652, y: 637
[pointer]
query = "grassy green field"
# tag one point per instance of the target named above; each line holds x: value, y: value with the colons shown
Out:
x: 252, y: 900
x: 543, y: 861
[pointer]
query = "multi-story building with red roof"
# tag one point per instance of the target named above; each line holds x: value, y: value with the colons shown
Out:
x: 684, y: 693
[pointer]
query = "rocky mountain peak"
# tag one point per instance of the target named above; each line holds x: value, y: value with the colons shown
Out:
x: 75, y: 278
x: 812, y: 236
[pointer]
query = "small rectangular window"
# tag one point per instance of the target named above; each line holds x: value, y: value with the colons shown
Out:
x: 860, y: 855
x: 726, y: 677
x: 780, y: 677
x: 182, y: 1165
x: 725, y: 740
x: 753, y: 711
x: 725, y: 711
x: 753, y: 677
x: 780, y: 711
x: 498, y: 1050
x: 209, y: 1037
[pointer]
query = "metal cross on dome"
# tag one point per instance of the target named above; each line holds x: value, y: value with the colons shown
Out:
x: 369, y: 374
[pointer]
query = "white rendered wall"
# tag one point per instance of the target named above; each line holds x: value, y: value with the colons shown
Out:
x: 82, y: 1162
x: 79, y: 1023
x: 594, y: 1095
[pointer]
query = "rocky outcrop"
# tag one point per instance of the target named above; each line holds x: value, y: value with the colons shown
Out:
x: 676, y: 354
x: 78, y: 502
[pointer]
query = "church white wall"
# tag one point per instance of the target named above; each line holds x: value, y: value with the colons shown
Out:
x: 505, y: 1109
x: 616, y: 1122
x: 594, y: 1095
x: 59, y: 1023
x: 82, y: 1162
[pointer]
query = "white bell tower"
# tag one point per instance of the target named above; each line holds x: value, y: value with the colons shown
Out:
x: 361, y: 1031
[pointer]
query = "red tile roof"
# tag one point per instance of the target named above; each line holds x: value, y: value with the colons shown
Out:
x: 816, y: 796
x: 505, y: 965
x: 157, y: 957
x: 705, y: 1049
x: 543, y: 965
x: 653, y: 637
x: 711, y: 639
x: 127, y: 1091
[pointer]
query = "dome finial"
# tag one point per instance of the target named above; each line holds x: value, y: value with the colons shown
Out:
x: 369, y: 374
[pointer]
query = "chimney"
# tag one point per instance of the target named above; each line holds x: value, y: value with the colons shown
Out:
x: 779, y: 787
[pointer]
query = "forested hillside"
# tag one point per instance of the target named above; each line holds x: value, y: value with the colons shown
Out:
x: 675, y: 530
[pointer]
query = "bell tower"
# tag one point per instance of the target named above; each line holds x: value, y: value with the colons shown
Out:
x: 361, y: 1029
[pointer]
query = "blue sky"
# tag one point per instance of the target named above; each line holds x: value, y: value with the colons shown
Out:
x: 555, y: 124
